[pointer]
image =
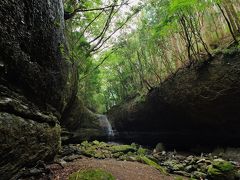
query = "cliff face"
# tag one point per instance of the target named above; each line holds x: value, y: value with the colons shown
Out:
x: 80, y: 124
x: 37, y: 82
x: 198, y: 105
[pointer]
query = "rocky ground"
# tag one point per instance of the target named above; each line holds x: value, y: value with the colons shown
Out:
x: 135, y: 162
x: 121, y: 170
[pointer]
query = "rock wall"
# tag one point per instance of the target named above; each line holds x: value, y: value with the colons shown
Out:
x: 37, y: 82
x: 81, y: 124
x: 197, y: 105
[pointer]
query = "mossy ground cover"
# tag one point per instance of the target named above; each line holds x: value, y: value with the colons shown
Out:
x: 102, y: 150
x: 166, y: 162
x: 92, y: 174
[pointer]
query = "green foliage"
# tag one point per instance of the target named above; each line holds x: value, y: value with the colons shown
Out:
x: 141, y: 151
x: 86, y: 32
x: 182, y: 5
x: 214, y: 171
x: 221, y: 169
x: 223, y: 166
x: 92, y: 174
x: 165, y: 35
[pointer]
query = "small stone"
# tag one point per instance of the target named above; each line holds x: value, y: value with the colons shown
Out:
x: 198, y: 174
x: 164, y: 153
x: 204, y: 161
x: 159, y: 147
x: 189, y: 168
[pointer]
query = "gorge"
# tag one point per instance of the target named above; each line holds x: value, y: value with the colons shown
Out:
x: 157, y: 79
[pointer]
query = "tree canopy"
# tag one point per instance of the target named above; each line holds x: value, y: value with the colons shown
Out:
x: 125, y: 48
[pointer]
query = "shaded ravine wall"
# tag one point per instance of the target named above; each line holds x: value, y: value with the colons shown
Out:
x: 37, y: 82
x: 199, y: 105
x: 79, y: 124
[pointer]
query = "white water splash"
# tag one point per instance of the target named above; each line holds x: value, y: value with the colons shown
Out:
x: 105, y: 124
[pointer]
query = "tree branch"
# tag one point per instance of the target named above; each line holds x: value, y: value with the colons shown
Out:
x: 101, y: 43
x: 69, y: 15
x: 96, y: 67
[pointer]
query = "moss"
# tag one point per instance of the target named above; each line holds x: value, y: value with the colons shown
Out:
x: 178, y: 178
x: 89, y: 153
x: 57, y: 23
x: 92, y: 174
x: 220, y: 169
x: 85, y: 144
x: 174, y: 165
x: 141, y: 151
x: 62, y: 49
x: 123, y: 148
x: 214, y: 171
x: 63, y: 52
x: 222, y: 165
x: 153, y: 164
x: 100, y: 155
x: 34, y: 141
x: 118, y: 154
x: 96, y: 142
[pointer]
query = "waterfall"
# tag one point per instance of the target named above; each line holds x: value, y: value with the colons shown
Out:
x: 105, y: 124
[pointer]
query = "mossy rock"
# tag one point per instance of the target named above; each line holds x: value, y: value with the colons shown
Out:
x: 96, y: 142
x: 100, y: 155
x: 123, y: 148
x: 141, y: 151
x: 149, y: 162
x: 85, y: 144
x: 92, y: 174
x: 214, y: 171
x: 174, y: 165
x: 117, y: 154
x: 221, y: 170
x: 24, y: 142
x: 222, y: 165
x: 199, y: 175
